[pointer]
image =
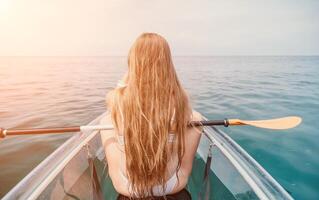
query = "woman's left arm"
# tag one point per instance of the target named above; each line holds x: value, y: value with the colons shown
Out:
x: 107, y: 136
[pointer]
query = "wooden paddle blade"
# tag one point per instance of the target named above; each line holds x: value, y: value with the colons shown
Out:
x: 279, y: 123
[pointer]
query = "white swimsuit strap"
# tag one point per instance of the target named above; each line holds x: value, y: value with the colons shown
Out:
x: 171, y: 138
x: 120, y: 139
x: 169, y: 186
x: 157, y: 189
x: 121, y: 84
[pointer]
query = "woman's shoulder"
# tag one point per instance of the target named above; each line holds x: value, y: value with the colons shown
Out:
x: 196, y: 116
x: 106, y: 120
x: 109, y: 98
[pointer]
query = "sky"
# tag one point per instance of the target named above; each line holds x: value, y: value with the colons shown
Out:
x: 192, y: 28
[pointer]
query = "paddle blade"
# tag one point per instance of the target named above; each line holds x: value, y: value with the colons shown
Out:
x: 279, y: 123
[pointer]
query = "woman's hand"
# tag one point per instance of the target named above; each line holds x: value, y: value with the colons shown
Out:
x: 196, y: 116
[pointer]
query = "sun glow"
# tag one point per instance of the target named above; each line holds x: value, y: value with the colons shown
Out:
x: 4, y: 6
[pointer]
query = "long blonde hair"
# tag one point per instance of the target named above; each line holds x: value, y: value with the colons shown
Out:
x: 143, y: 111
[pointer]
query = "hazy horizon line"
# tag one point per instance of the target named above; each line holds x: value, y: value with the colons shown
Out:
x: 239, y: 55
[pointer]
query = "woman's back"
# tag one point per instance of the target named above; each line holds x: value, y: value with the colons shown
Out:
x: 150, y: 104
x: 115, y: 155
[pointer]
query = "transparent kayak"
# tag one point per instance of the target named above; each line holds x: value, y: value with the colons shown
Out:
x: 78, y: 170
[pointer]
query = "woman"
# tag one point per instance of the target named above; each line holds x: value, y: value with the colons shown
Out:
x: 151, y: 150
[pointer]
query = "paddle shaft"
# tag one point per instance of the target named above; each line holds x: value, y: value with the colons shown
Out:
x: 278, y: 124
x: 5, y: 132
x: 38, y: 131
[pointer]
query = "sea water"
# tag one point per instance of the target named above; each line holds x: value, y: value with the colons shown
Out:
x: 64, y: 91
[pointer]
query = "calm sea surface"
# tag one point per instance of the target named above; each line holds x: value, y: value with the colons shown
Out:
x: 62, y: 91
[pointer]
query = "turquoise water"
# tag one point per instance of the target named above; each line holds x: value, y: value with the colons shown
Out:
x: 261, y: 88
x: 53, y: 91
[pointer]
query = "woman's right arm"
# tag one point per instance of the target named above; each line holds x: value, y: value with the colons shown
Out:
x: 192, y: 139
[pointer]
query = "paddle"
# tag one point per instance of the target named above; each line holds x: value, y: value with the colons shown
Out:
x: 279, y: 124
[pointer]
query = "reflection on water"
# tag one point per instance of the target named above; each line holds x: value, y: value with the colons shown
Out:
x: 44, y: 92
x: 61, y: 91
